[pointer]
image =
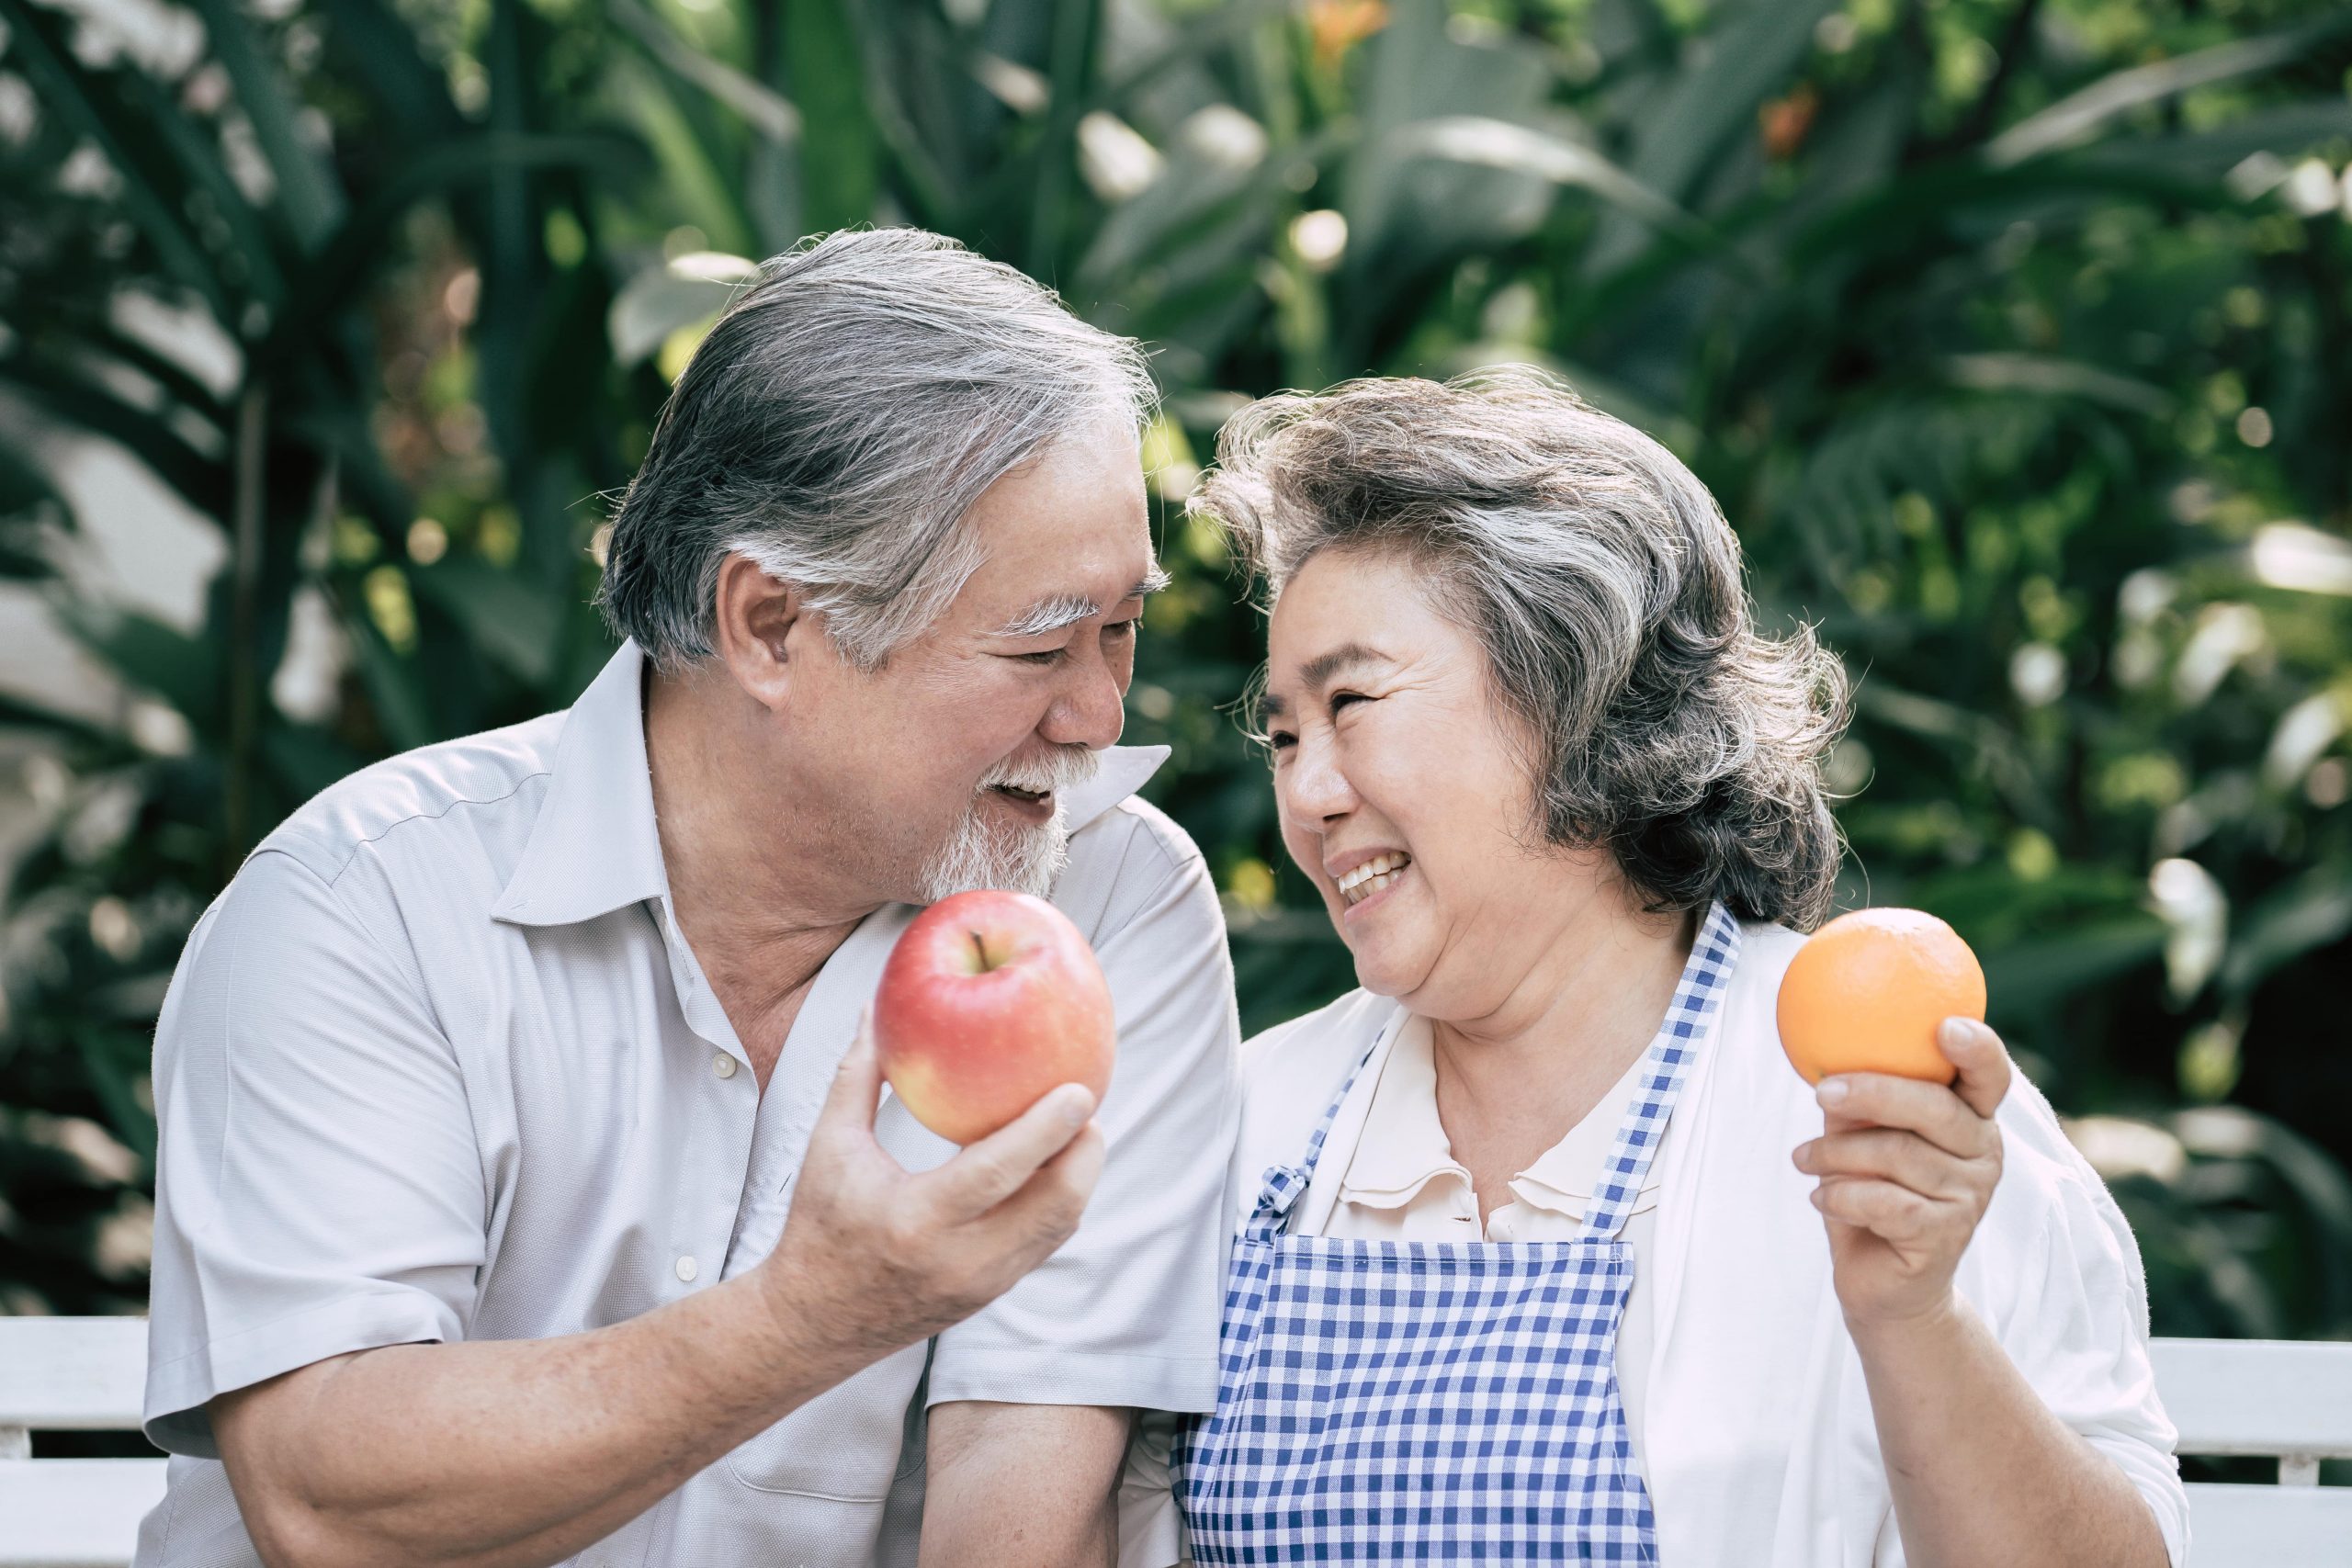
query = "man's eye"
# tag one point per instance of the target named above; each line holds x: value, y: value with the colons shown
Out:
x: 1049, y: 655
x: 1120, y: 628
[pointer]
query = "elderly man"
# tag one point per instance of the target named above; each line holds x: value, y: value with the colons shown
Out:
x: 524, y: 1197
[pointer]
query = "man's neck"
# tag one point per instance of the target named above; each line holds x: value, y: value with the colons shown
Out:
x: 742, y: 887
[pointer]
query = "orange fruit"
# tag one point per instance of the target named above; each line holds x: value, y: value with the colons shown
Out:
x: 1866, y: 991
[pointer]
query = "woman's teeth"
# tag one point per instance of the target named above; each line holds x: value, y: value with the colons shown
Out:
x: 1374, y: 874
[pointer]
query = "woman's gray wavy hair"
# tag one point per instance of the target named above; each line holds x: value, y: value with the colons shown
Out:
x: 1606, y: 589
x: 836, y: 424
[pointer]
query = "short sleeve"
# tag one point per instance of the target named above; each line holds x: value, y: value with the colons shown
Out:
x: 1126, y: 1314
x: 2073, y: 1312
x: 318, y: 1186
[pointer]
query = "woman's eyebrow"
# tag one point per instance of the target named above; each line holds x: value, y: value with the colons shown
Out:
x: 1317, y: 673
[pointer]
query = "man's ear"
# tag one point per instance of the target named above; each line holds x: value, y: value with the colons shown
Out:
x: 762, y: 630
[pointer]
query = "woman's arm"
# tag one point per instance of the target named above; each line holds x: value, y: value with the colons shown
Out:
x: 1981, y: 1471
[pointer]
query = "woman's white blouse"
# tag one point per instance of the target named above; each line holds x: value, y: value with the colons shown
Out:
x: 1758, y: 1441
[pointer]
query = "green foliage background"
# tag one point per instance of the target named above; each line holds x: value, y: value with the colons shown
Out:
x: 2013, y: 335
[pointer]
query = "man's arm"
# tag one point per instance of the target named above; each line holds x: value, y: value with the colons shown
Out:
x: 1023, y: 1486
x: 520, y: 1453
x: 511, y: 1453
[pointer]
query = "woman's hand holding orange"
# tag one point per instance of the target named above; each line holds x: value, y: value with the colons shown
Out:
x: 1906, y: 1169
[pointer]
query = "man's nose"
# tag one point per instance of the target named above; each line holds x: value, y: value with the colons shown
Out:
x: 1091, y: 709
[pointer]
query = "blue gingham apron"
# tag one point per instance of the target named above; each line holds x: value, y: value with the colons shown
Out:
x: 1436, y: 1402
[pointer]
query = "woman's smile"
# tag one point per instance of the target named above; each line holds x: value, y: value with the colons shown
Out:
x: 1371, y: 884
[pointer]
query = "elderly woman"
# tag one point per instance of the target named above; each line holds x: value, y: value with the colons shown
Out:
x: 1544, y: 1252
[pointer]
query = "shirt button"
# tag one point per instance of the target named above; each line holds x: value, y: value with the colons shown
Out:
x: 723, y: 1064
x: 687, y: 1269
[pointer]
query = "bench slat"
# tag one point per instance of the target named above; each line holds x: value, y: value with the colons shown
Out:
x: 75, y: 1513
x: 2269, y: 1527
x: 72, y: 1374
x: 2257, y: 1396
x: 2226, y: 1397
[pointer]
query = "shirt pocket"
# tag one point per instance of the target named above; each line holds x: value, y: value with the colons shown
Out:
x: 848, y: 1443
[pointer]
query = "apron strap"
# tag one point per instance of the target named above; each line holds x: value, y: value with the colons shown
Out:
x: 1282, y: 1185
x: 1688, y: 1020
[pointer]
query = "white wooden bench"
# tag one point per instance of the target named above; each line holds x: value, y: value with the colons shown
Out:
x: 2272, y: 1399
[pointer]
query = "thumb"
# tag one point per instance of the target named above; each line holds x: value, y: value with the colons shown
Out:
x: 1983, y: 1060
x: 856, y: 1094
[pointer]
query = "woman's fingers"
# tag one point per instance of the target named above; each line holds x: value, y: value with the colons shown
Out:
x: 1896, y: 1214
x: 1932, y: 1111
x: 1983, y: 1063
x: 1904, y: 1159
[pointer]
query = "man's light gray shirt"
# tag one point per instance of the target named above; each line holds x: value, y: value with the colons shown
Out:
x: 439, y: 1066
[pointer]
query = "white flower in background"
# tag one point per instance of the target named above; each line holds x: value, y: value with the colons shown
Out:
x: 1223, y: 135
x: 2118, y: 1146
x: 2306, y: 731
x: 1115, y: 157
x: 2037, y: 674
x: 2196, y: 913
x: 2225, y: 635
x: 317, y: 650
x: 1320, y: 238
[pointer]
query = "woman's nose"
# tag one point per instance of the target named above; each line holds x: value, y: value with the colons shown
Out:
x: 1314, y: 790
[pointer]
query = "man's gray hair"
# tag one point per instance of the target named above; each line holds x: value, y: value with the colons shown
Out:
x: 1605, y: 587
x: 841, y: 418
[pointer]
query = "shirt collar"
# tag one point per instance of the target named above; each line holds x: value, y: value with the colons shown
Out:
x: 594, y: 847
x: 1402, y: 1146
x: 1561, y: 1179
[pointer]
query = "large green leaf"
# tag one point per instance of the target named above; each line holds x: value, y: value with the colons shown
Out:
x: 76, y: 96
x: 840, y: 155
x: 307, y: 193
x: 1742, y: 61
x: 2081, y: 115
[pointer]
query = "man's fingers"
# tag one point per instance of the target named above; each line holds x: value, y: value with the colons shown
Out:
x: 1983, y: 1060
x: 1937, y: 1113
x: 1050, y: 1202
x: 993, y: 1170
x: 856, y: 1093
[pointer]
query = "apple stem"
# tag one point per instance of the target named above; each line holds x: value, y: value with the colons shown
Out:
x: 980, y: 952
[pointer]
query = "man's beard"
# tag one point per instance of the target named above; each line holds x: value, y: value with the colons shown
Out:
x: 1020, y: 856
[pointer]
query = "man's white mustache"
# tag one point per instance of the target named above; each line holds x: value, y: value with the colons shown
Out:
x: 1064, y: 768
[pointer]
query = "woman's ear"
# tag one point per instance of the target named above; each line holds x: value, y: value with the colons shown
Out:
x: 760, y: 629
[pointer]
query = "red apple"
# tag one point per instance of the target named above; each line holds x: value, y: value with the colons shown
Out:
x: 990, y: 1000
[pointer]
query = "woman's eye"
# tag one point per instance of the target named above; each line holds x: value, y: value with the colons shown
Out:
x: 1280, y: 741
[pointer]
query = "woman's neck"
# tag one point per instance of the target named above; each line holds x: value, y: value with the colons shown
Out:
x: 1511, y: 1083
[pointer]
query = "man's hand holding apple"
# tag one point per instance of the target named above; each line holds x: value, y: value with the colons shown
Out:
x: 874, y: 1258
